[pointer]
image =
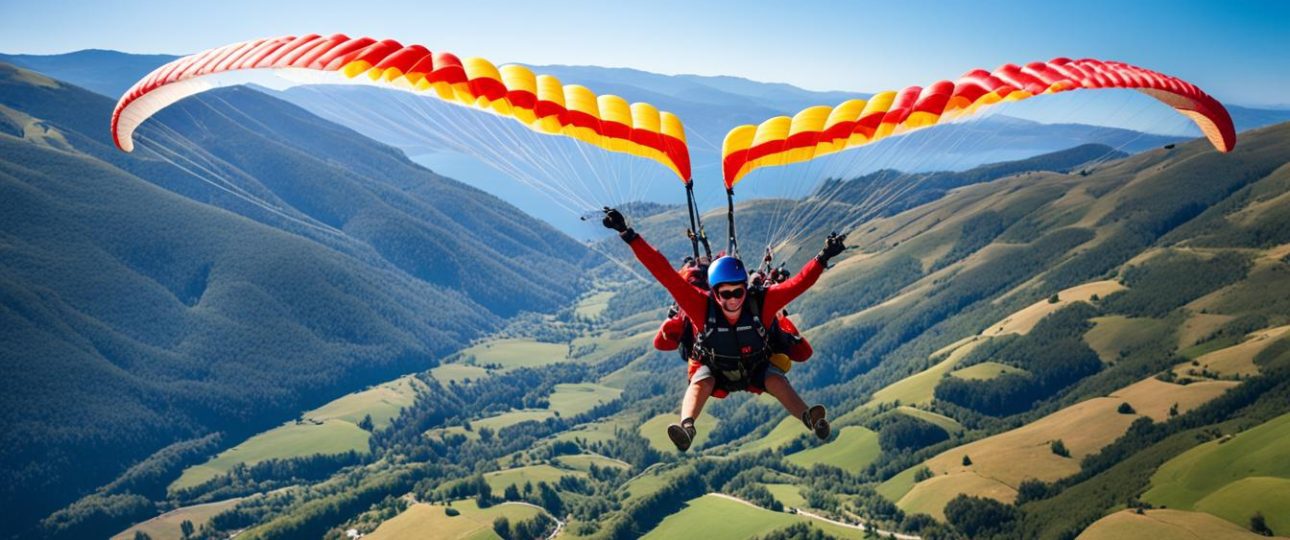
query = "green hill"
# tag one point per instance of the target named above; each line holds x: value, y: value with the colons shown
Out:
x: 142, y: 306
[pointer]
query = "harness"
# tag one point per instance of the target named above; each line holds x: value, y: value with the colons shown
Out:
x: 735, y: 354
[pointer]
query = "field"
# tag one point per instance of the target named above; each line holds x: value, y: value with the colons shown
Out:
x: 1025, y: 319
x: 931, y: 495
x: 592, y: 306
x: 1153, y: 397
x: 788, y: 495
x: 1195, y: 474
x: 853, y: 448
x: 574, y: 399
x: 166, y: 526
x: 1237, y: 360
x: 950, y: 425
x: 583, y: 462
x: 458, y: 373
x: 514, y: 353
x: 1115, y: 333
x: 1198, y: 326
x: 382, y: 402
x: 655, y: 429
x: 474, y: 523
x: 330, y: 429
x: 1164, y: 523
x: 287, y: 441
x: 917, y: 389
x: 1004, y: 460
x: 1237, y: 501
x: 598, y: 431
x: 498, y: 480
x: 494, y: 422
x: 717, y: 518
x: 985, y: 371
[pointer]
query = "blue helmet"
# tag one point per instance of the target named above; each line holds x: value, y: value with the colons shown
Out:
x: 726, y: 270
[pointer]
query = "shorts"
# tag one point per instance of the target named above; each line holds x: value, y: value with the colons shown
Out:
x: 700, y: 371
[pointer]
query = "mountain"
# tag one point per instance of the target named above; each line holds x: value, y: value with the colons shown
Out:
x: 109, y: 73
x: 225, y: 280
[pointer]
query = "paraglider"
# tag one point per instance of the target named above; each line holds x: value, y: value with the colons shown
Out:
x: 730, y: 324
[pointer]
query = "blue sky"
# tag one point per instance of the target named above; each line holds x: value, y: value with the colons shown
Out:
x: 1236, y: 50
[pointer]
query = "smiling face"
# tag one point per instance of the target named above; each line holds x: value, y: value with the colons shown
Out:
x: 731, y: 296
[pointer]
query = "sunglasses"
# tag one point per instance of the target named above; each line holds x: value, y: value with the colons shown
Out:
x: 731, y: 294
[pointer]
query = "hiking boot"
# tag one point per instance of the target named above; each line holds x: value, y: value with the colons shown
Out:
x: 815, y: 421
x: 682, y: 434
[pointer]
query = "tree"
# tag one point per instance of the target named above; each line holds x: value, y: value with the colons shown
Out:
x: 502, y: 527
x: 140, y: 535
x: 1054, y: 299
x: 1059, y: 448
x: 977, y: 517
x: 1260, y: 525
x: 967, y: 461
x: 451, y: 512
x: 1125, y: 408
x: 366, y: 423
x: 1031, y: 489
x: 511, y: 493
x: 186, y: 528
x: 922, y: 474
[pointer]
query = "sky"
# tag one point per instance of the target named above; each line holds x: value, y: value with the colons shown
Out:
x: 1238, y: 51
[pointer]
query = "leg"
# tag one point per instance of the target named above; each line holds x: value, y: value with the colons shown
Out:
x: 701, y: 385
x: 695, y: 396
x: 778, y: 386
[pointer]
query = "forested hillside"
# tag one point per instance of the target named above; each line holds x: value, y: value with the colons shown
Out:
x: 1020, y: 356
x: 224, y: 283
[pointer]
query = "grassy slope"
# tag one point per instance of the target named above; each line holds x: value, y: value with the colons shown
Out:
x: 474, y: 523
x: 1164, y: 523
x: 330, y: 429
x: 985, y: 371
x: 852, y: 449
x: 498, y: 480
x: 166, y: 526
x: 514, y: 353
x: 716, y: 518
x: 574, y: 399
x: 1001, y: 462
x: 1237, y: 501
x: 1190, y: 477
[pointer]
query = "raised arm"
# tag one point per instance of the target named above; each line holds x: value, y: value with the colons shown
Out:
x: 780, y: 294
x: 692, y: 301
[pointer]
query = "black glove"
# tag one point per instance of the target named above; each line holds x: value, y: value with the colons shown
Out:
x: 614, y: 220
x: 833, y: 245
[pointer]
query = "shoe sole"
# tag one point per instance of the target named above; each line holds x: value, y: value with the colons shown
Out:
x: 819, y: 423
x: 679, y: 437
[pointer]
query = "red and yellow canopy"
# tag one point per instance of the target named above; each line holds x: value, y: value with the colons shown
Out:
x: 822, y: 130
x: 540, y: 102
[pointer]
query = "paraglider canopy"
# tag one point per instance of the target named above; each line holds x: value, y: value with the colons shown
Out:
x: 822, y: 130
x: 540, y: 102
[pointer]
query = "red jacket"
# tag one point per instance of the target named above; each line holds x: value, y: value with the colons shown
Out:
x: 694, y: 302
